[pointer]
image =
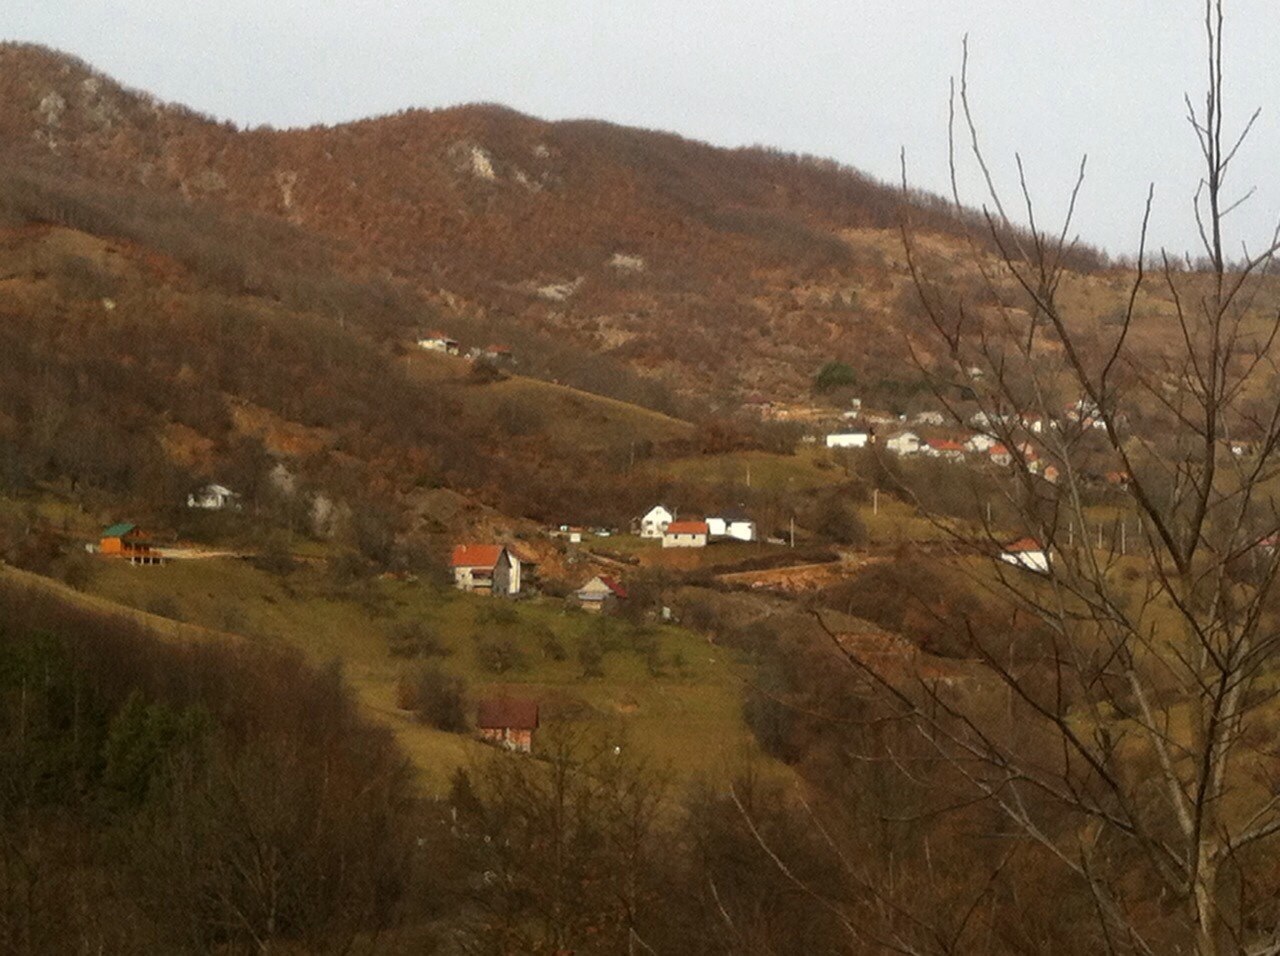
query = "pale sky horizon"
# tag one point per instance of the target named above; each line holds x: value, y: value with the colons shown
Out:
x: 857, y: 81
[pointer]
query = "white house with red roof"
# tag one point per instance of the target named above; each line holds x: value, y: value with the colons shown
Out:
x: 1000, y: 455
x: 600, y: 593
x: 485, y: 569
x: 944, y: 448
x: 1027, y: 553
x: 686, y: 534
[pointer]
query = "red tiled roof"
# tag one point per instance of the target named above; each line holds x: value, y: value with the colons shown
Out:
x: 998, y: 450
x: 1023, y: 545
x: 498, y: 713
x: 613, y: 585
x: 688, y: 527
x: 945, y: 444
x: 476, y: 555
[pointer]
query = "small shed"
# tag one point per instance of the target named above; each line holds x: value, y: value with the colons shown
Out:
x: 509, y: 722
x: 600, y: 593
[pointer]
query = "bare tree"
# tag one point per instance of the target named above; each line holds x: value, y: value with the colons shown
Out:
x: 1138, y: 749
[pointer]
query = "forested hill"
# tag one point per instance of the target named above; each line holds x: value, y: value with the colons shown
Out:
x: 717, y: 271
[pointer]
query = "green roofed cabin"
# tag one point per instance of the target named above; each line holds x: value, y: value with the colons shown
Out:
x: 124, y: 540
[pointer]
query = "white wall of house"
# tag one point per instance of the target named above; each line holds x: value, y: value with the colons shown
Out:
x: 907, y: 443
x: 654, y: 524
x: 848, y: 440
x: 1031, y: 560
x: 717, y: 527
x: 684, y: 540
x: 741, y: 530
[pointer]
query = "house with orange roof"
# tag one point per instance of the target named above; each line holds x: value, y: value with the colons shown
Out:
x: 1026, y: 553
x: 999, y: 455
x: 686, y: 534
x: 944, y: 448
x: 485, y: 569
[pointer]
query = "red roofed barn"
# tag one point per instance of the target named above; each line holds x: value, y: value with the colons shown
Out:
x: 508, y: 722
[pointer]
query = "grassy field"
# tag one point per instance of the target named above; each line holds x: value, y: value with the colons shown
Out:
x: 688, y: 718
x: 561, y: 415
x: 809, y: 468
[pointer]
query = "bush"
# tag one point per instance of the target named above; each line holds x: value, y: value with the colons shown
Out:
x: 591, y: 656
x: 500, y: 656
x: 496, y: 612
x: 413, y: 639
x: 437, y: 698
x: 834, y: 375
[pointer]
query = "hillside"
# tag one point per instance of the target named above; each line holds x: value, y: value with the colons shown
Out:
x: 716, y: 272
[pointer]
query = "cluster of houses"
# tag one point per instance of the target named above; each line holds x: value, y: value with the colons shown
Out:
x: 660, y: 523
x: 439, y: 342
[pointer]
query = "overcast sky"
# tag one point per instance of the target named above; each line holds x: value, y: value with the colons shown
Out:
x: 856, y: 80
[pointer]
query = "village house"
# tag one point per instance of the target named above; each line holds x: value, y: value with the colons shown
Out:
x: 129, y: 542
x: 935, y: 418
x: 980, y: 443
x: 732, y: 523
x: 858, y: 439
x: 1000, y: 455
x: 507, y: 722
x: 601, y: 593
x: 214, y: 498
x: 654, y: 524
x: 439, y: 342
x: 903, y: 443
x: 1026, y: 553
x: 944, y: 448
x: 686, y: 534
x: 485, y: 569
x: 501, y: 354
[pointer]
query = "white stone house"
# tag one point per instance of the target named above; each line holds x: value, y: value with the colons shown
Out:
x: 1027, y: 553
x: 848, y: 439
x: 654, y: 524
x: 929, y: 418
x: 903, y: 443
x: 733, y: 523
x: 214, y: 498
x: 686, y: 534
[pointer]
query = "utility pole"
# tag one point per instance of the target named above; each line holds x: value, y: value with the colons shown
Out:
x: 793, y: 531
x: 875, y: 501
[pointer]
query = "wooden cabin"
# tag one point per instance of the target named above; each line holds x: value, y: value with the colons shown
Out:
x: 507, y: 722
x: 130, y: 542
